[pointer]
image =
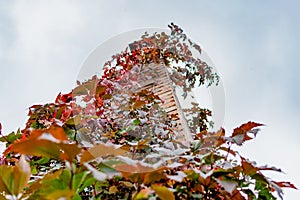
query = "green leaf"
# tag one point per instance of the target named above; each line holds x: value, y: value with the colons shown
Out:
x: 136, y: 122
x: 76, y: 197
x: 90, y: 180
x: 6, y: 179
x: 22, y: 174
x: 106, y: 169
x: 65, y: 177
x: 42, y: 161
x: 11, y: 137
x: 74, y: 121
x: 78, y: 179
x: 13, y: 179
x: 80, y: 90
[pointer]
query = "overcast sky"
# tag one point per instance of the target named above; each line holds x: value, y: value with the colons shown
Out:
x: 254, y: 46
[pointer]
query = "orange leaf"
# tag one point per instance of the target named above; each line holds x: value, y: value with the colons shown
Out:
x: 46, y: 143
x: 56, y: 131
x: 138, y: 104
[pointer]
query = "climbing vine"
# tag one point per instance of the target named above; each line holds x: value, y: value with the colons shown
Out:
x: 108, y: 139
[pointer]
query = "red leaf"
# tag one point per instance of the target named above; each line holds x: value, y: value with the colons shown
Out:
x: 58, y: 98
x: 250, y: 125
x: 270, y: 168
x: 285, y: 184
x: 241, y: 134
x: 65, y: 98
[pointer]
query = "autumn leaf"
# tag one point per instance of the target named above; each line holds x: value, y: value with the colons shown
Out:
x: 236, y: 195
x: 241, y: 134
x: 56, y: 131
x: 45, y: 148
x: 248, y: 167
x: 142, y: 144
x: 250, y: 125
x: 269, y: 168
x: 65, y: 98
x: 138, y: 104
x: 48, y: 143
x: 100, y: 90
x: 101, y: 150
x: 85, y: 88
x: 142, y: 173
x: 285, y: 184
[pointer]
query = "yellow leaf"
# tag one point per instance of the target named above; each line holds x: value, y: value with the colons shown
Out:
x: 163, y: 192
x: 113, y: 189
x: 60, y: 194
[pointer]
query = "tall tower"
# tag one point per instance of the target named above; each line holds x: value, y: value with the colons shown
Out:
x: 155, y: 77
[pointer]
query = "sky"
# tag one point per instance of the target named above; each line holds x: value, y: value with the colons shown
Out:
x: 253, y: 44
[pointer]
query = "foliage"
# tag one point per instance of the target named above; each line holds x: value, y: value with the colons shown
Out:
x: 108, y: 140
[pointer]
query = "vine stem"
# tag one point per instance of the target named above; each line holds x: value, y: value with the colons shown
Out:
x: 72, y: 176
x: 228, y: 151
